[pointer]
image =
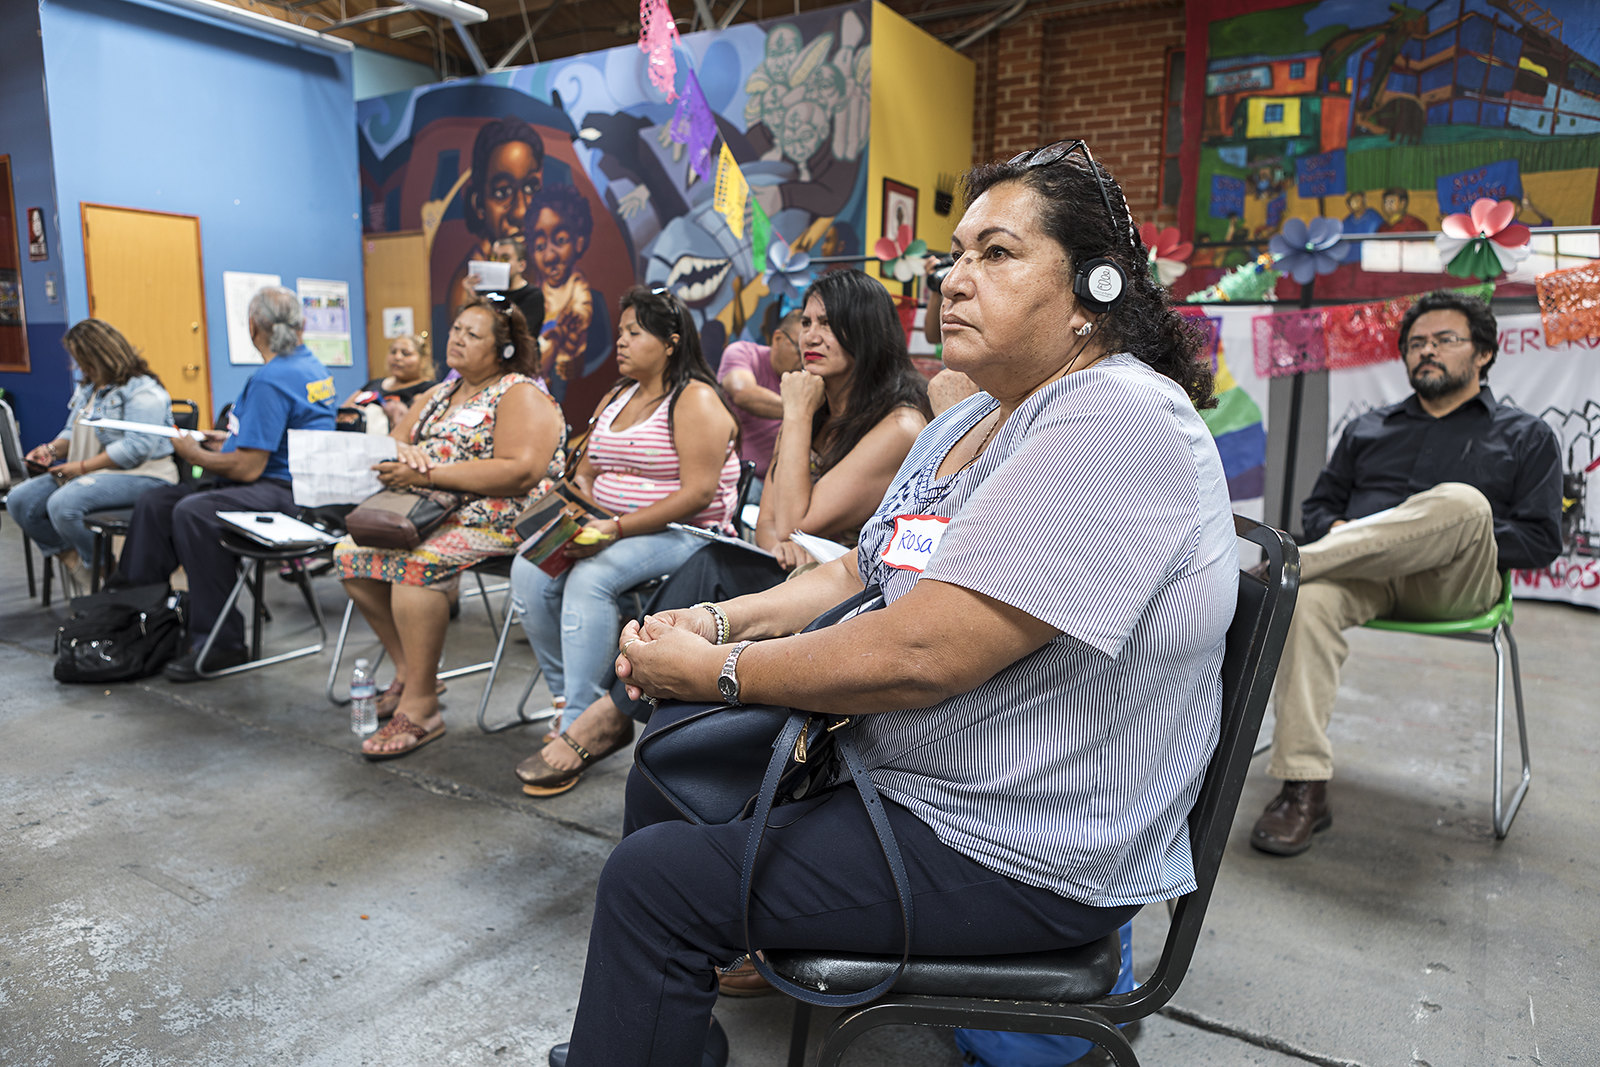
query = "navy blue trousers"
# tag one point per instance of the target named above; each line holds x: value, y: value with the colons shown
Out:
x: 178, y: 525
x: 668, y: 914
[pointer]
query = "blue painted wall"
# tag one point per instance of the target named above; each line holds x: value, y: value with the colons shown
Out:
x: 40, y: 395
x: 154, y: 108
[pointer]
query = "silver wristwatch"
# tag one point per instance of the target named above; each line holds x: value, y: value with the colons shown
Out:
x: 728, y: 681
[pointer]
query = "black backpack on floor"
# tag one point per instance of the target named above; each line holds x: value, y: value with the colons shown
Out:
x: 118, y: 636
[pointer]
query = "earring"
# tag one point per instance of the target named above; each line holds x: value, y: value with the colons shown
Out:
x: 1083, y: 331
x: 508, y: 351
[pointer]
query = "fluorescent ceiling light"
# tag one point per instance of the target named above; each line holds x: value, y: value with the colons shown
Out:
x: 266, y: 24
x: 454, y: 10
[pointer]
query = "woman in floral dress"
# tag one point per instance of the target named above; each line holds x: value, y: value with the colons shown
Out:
x: 493, y: 436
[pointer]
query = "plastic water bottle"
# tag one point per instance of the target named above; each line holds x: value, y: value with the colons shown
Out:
x: 363, y: 700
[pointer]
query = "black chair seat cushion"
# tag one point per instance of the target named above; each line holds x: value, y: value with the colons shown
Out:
x: 1066, y: 976
x: 111, y: 520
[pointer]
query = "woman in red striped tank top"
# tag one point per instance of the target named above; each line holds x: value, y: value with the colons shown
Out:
x: 663, y: 448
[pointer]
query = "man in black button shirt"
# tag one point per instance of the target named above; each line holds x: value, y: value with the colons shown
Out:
x: 1420, y: 507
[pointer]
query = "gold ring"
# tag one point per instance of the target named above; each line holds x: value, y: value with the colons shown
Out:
x: 628, y: 642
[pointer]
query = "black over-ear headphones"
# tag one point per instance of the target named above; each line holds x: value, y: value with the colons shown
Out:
x: 1099, y: 284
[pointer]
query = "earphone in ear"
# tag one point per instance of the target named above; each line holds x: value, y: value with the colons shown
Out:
x: 1099, y: 285
x: 508, y: 351
x: 1083, y: 331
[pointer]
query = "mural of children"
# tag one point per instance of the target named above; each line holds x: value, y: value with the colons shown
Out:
x: 507, y: 173
x: 1396, y: 218
x: 1362, y: 219
x: 562, y: 225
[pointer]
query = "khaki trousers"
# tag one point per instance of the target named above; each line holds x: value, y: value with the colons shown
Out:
x: 1431, y: 557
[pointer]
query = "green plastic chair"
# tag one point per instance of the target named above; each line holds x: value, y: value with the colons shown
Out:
x: 1492, y: 627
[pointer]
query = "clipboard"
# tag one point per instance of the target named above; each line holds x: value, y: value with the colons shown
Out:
x: 276, y: 530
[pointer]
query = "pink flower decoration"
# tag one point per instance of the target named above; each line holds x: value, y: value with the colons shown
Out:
x: 1168, y: 251
x: 1483, y: 244
x: 1488, y: 219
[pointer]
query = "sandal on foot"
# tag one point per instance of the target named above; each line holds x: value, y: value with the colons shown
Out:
x: 389, y: 699
x: 398, y: 724
x: 539, y: 779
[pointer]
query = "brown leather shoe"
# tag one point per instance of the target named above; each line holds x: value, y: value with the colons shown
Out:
x: 1299, y: 810
x: 743, y: 981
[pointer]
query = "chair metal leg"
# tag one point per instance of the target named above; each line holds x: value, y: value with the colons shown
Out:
x: 338, y: 657
x: 27, y: 559
x: 98, y: 562
x: 254, y: 575
x: 799, y: 1034
x: 483, y: 592
x: 1503, y: 813
x: 508, y: 620
x: 49, y: 568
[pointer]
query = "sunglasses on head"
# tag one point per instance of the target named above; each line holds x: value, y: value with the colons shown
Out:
x: 1059, y: 150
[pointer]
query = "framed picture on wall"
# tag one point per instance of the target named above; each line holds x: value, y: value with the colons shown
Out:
x: 13, y: 318
x: 899, y: 208
x: 38, y: 246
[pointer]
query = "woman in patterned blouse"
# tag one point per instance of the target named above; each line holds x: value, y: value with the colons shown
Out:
x: 491, y: 436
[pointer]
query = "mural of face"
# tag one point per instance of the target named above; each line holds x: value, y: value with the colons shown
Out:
x: 553, y: 248
x: 804, y: 126
x: 1393, y: 206
x: 513, y: 181
x: 783, y: 48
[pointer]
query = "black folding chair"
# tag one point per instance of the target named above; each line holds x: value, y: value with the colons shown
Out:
x: 1068, y: 992
x: 113, y: 522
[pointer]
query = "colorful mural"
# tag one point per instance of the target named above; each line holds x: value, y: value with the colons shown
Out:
x: 1389, y: 116
x: 577, y: 157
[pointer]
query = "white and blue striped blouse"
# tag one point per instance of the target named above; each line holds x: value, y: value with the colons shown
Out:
x: 1100, y: 508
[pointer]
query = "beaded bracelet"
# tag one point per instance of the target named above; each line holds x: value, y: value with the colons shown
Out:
x: 721, y: 617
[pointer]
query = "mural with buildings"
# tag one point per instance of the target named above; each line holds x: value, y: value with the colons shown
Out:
x: 575, y: 157
x: 1389, y: 116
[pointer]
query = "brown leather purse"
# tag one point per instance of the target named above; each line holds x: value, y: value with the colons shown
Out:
x: 400, y: 518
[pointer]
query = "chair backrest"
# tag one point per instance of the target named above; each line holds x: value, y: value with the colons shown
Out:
x: 1255, y: 641
x: 12, y: 467
x: 747, y: 475
x: 185, y: 414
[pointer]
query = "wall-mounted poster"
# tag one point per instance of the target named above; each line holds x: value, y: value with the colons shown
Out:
x: 237, y: 288
x: 899, y: 209
x: 38, y: 247
x: 327, y: 308
x: 399, y: 322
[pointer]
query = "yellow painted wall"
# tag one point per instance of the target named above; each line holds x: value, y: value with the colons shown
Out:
x: 921, y: 124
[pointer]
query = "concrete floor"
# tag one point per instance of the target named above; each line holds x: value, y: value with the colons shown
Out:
x: 210, y: 874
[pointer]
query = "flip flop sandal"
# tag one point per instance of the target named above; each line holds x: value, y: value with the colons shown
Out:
x: 398, y: 725
x: 389, y: 699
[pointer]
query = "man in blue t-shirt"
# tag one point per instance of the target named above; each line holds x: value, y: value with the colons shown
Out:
x: 249, y: 458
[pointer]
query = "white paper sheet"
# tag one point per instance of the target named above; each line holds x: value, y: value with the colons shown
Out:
x: 275, y: 528
x: 712, y: 535
x: 334, y: 467
x: 144, y: 427
x: 491, y: 274
x: 822, y: 550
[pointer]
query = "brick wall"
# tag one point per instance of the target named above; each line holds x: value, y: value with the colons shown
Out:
x: 1097, y: 72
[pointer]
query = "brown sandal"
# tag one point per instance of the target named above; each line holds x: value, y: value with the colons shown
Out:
x: 389, y: 699
x: 539, y: 779
x: 398, y: 724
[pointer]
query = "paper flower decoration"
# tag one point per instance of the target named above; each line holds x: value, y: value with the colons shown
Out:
x: 1305, y: 251
x: 902, y: 257
x: 788, y: 272
x: 1251, y: 283
x: 1484, y: 244
x: 1168, y: 253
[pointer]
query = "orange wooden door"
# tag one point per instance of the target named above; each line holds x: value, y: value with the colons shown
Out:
x: 144, y: 277
x: 396, y: 270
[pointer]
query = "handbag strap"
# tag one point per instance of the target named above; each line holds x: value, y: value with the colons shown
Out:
x: 886, y: 841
